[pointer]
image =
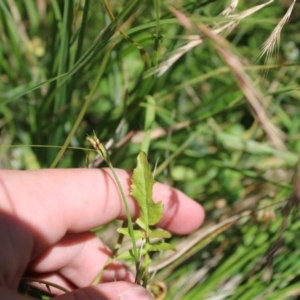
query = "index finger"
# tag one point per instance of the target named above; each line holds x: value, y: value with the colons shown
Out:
x: 57, y: 201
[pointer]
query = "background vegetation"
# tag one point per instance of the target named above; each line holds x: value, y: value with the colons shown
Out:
x: 226, y: 134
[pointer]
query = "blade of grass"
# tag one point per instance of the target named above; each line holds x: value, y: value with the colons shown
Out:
x: 84, y: 108
x: 61, y: 96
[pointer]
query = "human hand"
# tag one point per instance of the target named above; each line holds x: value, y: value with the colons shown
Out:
x: 45, y: 218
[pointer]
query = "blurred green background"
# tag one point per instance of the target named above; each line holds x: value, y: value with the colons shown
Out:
x: 66, y: 72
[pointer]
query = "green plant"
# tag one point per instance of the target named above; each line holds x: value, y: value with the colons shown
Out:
x: 226, y: 134
x: 150, y: 214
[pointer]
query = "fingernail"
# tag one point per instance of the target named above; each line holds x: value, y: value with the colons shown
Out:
x: 136, y: 293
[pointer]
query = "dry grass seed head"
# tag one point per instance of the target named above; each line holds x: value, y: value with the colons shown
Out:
x: 226, y: 28
x: 274, y: 39
x: 251, y: 93
x: 232, y: 6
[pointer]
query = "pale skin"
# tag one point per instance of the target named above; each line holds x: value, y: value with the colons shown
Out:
x: 45, y: 219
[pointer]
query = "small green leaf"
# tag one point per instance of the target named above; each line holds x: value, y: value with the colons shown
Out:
x: 159, y: 233
x: 138, y: 234
x: 161, y: 246
x: 141, y: 190
x: 126, y: 255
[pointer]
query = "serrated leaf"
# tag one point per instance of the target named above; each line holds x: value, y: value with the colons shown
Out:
x: 141, y: 190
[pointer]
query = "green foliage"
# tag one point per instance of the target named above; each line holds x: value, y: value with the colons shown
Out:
x: 141, y: 190
x: 66, y: 70
x: 150, y: 214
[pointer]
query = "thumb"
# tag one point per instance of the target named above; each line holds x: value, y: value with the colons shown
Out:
x: 119, y: 290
